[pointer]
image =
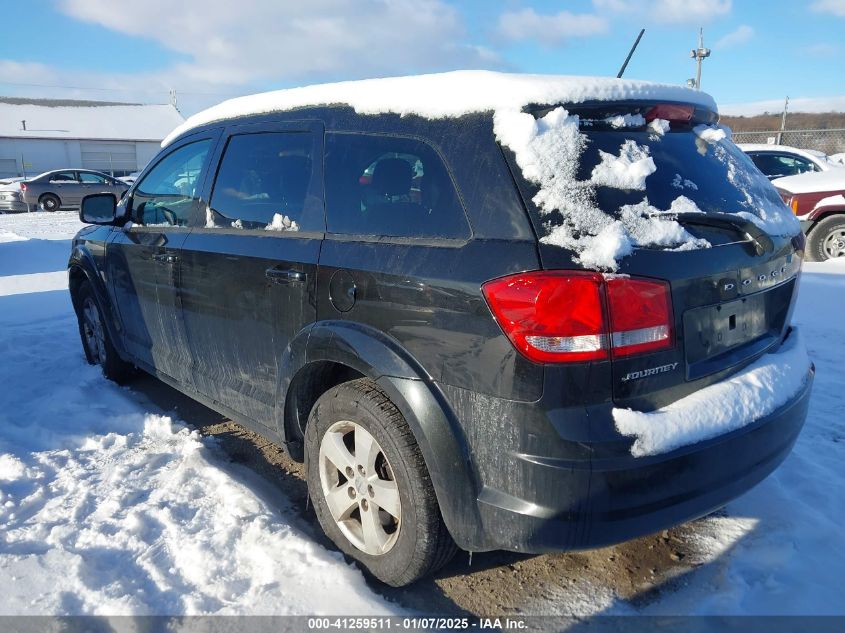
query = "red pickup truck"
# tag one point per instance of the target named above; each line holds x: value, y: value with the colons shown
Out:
x: 818, y: 199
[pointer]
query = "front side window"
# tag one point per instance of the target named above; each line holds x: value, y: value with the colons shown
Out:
x: 63, y: 176
x: 779, y: 165
x: 390, y: 186
x: 263, y: 182
x: 92, y: 179
x: 169, y: 193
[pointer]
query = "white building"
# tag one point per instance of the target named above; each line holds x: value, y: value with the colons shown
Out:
x: 38, y: 135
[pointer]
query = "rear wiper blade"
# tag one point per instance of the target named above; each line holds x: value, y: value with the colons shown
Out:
x: 761, y: 242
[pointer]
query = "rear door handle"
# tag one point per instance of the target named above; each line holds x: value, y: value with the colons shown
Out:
x: 285, y: 276
x: 166, y: 258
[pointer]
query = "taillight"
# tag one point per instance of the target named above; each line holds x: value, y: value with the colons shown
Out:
x: 640, y: 315
x: 23, y: 186
x: 793, y: 204
x: 550, y: 316
x: 572, y: 316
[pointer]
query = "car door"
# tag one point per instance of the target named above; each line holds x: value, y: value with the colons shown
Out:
x: 399, y: 255
x: 249, y: 267
x: 143, y: 257
x: 65, y: 185
x: 91, y: 183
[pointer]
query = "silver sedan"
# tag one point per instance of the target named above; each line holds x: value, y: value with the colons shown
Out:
x: 65, y: 188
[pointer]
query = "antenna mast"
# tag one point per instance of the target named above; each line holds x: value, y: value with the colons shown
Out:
x: 630, y: 54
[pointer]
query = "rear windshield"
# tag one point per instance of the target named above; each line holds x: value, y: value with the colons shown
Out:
x: 717, y: 177
x: 604, y: 187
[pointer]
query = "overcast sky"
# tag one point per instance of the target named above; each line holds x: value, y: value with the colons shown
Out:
x: 208, y: 50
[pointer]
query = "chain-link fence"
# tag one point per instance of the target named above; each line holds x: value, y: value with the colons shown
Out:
x: 827, y: 141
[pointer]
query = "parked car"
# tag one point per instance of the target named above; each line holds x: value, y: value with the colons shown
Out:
x: 369, y: 291
x: 778, y: 161
x: 11, y: 200
x: 130, y: 178
x: 818, y: 200
x: 65, y: 188
x: 837, y: 159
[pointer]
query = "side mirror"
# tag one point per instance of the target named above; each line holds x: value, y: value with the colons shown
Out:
x: 98, y: 208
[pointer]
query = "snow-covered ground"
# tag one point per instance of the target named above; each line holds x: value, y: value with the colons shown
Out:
x: 780, y: 549
x: 109, y: 507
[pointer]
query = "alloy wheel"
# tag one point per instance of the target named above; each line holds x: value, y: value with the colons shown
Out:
x: 359, y: 487
x: 834, y: 244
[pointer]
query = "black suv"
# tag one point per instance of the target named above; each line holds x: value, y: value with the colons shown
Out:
x: 377, y: 293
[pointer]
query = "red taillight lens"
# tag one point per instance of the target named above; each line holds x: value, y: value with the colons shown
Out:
x: 550, y: 316
x: 23, y: 186
x: 571, y: 316
x: 640, y: 315
x: 673, y: 112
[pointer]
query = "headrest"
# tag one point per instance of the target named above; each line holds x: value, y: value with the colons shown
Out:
x: 392, y: 177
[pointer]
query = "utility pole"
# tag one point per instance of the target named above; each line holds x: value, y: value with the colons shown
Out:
x: 173, y: 100
x: 698, y: 54
x: 783, y: 120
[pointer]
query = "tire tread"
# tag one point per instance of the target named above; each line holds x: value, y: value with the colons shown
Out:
x: 436, y: 547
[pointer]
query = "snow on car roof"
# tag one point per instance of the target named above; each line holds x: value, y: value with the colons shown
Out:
x: 448, y: 94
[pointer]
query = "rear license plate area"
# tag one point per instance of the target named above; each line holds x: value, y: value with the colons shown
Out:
x: 719, y: 336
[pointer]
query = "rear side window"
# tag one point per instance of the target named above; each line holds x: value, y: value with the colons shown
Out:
x: 390, y: 186
x: 63, y: 176
x: 169, y: 193
x: 263, y: 182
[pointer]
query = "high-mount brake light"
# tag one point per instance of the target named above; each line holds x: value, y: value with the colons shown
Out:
x: 672, y: 112
x: 574, y: 316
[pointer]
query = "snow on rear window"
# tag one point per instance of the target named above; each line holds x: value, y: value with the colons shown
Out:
x: 625, y: 120
x: 548, y: 152
x: 764, y: 210
x: 659, y: 126
x: 682, y: 204
x: 679, y: 182
x: 626, y: 171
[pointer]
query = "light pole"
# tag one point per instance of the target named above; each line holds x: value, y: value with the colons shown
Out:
x: 698, y: 54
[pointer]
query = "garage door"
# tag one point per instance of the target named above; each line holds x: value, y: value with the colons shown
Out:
x: 109, y: 157
x: 8, y: 167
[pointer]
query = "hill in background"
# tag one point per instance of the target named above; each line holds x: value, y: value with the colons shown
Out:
x: 794, y: 121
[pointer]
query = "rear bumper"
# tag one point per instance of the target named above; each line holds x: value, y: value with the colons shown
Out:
x: 13, y: 206
x: 596, y: 493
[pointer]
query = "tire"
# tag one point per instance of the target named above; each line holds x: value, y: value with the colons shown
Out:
x: 96, y: 341
x: 396, y: 550
x: 49, y: 202
x: 827, y: 239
